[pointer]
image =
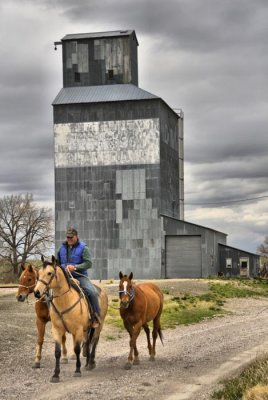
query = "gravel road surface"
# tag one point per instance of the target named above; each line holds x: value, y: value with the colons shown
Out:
x: 183, y: 366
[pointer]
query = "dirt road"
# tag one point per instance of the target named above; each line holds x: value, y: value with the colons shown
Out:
x: 192, y: 360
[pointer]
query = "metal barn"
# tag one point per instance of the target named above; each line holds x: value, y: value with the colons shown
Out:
x: 118, y: 156
x: 119, y: 162
x: 238, y: 263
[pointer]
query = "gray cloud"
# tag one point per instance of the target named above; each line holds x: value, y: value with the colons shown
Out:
x: 207, y: 57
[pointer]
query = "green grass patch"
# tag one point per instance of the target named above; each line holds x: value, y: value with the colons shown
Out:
x: 189, y: 309
x: 239, y: 288
x: 113, y: 315
x: 255, y: 373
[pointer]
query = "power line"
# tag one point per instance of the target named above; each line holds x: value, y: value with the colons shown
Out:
x: 226, y: 201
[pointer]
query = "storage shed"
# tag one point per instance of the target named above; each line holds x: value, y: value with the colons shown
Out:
x: 238, y: 263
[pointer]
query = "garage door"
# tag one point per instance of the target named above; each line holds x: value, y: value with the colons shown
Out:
x: 183, y: 257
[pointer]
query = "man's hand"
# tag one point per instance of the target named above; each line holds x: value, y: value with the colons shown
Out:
x: 70, y: 267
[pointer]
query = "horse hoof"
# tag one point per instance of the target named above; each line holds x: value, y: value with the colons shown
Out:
x: 128, y: 366
x: 89, y: 367
x: 54, y: 379
x: 64, y: 361
x: 152, y: 358
x: 136, y: 362
x: 36, y: 365
x: 77, y: 374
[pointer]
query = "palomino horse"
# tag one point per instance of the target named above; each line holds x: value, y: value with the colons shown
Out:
x: 139, y: 305
x: 27, y: 282
x: 69, y: 313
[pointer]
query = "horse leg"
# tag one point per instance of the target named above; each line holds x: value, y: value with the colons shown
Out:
x: 156, y: 331
x: 41, y: 326
x: 64, y: 359
x: 91, y: 364
x: 147, y: 331
x: 133, y: 348
x: 77, y: 350
x: 55, y: 378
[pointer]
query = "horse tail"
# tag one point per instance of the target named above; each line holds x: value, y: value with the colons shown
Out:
x: 160, y: 334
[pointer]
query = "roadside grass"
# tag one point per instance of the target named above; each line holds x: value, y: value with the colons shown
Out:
x: 239, y: 288
x: 186, y: 309
x: 253, y: 377
x: 183, y: 310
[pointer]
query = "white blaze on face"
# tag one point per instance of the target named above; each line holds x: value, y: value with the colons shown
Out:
x: 125, y: 287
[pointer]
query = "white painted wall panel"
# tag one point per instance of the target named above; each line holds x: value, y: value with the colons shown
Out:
x: 107, y: 143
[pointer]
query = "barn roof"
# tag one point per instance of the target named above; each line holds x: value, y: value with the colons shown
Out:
x: 100, y: 35
x: 102, y: 93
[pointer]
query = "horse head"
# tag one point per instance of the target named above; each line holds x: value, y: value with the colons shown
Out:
x: 126, y: 289
x: 27, y: 282
x: 46, y: 280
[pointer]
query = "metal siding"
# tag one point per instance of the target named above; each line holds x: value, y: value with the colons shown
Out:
x: 101, y: 93
x: 183, y: 257
x: 99, y: 35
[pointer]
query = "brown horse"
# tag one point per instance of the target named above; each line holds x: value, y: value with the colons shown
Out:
x: 27, y: 282
x: 140, y: 304
x: 69, y: 312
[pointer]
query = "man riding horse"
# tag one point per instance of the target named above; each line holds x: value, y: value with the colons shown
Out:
x: 74, y: 256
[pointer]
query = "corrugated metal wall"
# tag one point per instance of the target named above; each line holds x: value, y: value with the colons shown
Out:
x: 183, y: 257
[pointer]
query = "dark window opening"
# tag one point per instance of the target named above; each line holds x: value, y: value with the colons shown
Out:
x: 110, y: 74
x: 77, y: 77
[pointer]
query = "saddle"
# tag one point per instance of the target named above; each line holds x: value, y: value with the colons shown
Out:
x: 78, y: 288
x: 93, y: 316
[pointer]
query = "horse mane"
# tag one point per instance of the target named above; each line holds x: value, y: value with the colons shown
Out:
x: 67, y: 277
x: 70, y: 281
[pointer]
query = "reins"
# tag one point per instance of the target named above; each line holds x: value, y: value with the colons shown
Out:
x: 65, y: 311
x: 61, y: 313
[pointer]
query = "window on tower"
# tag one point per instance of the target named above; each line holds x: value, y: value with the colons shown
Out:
x: 77, y: 77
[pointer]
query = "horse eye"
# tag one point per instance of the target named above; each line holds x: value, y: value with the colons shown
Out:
x: 49, y: 273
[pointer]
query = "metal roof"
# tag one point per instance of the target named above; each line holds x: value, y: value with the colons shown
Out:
x: 102, y: 93
x: 98, y: 35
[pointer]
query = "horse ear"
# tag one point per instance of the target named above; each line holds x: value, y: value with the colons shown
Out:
x: 30, y: 268
x: 120, y: 275
x: 53, y: 260
x: 22, y: 267
x: 42, y: 258
x: 130, y: 276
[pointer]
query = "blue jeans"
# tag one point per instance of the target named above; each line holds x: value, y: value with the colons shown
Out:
x: 91, y: 293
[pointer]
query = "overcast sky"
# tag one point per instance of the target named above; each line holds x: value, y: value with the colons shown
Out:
x: 207, y: 57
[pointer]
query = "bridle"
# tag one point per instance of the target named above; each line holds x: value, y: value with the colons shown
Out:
x: 58, y: 312
x: 131, y: 295
x: 29, y: 286
x: 53, y: 274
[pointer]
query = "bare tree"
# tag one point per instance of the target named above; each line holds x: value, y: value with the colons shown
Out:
x: 25, y: 229
x: 263, y: 248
